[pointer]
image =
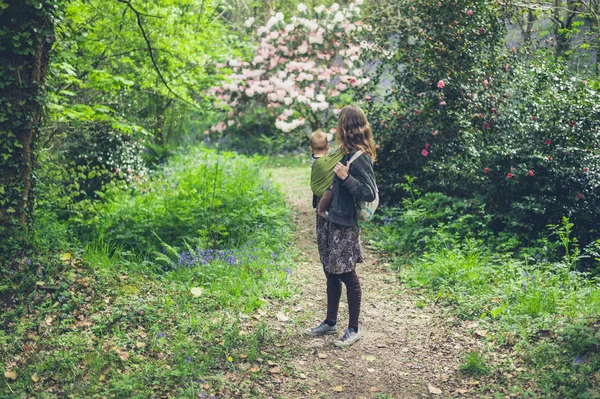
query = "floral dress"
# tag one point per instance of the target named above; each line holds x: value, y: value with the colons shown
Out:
x: 339, y: 246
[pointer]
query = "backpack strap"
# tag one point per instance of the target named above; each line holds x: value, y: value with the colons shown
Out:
x: 354, y: 157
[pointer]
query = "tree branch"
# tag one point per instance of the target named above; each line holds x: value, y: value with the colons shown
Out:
x: 138, y: 16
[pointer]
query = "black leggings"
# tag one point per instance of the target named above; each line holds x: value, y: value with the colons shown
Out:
x: 334, y: 293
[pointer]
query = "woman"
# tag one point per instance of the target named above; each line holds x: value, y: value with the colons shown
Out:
x: 338, y: 237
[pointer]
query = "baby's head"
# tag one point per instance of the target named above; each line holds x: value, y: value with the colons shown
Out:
x: 318, y: 143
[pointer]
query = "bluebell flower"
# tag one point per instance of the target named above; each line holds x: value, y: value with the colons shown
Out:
x: 161, y: 335
x: 533, y: 279
x: 202, y: 395
x: 577, y: 360
x: 524, y: 286
x: 61, y: 298
x: 288, y: 271
x: 387, y: 220
x: 188, y: 359
x: 274, y: 256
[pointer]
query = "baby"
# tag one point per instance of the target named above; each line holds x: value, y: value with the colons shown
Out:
x: 321, y: 176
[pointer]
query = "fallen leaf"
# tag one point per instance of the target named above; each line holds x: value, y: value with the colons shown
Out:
x: 279, y: 345
x: 40, y: 283
x: 339, y: 367
x: 271, y: 363
x: 243, y: 356
x: 303, y: 376
x: 462, y: 391
x: 434, y: 390
x: 370, y: 358
x: 374, y: 389
x: 196, y: 291
x: 274, y: 370
x: 10, y: 375
x: 338, y: 388
x: 282, y: 317
x: 124, y: 355
x: 381, y: 345
x: 35, y: 378
x: 255, y: 368
x: 322, y: 355
x: 371, y: 370
x: 140, y: 344
x: 66, y: 256
x: 473, y: 382
x: 480, y: 333
x: 256, y: 316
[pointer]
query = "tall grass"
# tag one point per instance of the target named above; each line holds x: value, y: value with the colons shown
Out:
x: 163, y: 296
x: 547, y: 312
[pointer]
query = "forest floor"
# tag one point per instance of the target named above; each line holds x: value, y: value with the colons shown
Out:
x: 407, y: 349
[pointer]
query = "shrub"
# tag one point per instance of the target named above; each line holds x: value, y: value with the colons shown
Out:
x: 205, y: 198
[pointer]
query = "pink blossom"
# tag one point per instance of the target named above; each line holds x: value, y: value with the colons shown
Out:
x: 531, y: 173
x: 469, y: 12
x: 509, y: 175
x: 424, y: 152
x: 441, y: 84
x: 442, y: 103
x: 435, y: 132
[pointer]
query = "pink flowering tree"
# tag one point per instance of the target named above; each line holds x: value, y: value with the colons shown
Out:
x: 303, y: 70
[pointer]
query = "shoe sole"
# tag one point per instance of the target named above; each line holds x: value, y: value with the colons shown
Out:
x: 341, y: 344
x: 309, y: 334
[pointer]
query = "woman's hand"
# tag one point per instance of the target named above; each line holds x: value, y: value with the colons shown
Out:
x: 341, y: 171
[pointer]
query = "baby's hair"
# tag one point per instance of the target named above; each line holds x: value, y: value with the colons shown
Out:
x: 318, y: 140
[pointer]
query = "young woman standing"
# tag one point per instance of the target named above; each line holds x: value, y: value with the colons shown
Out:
x: 338, y: 237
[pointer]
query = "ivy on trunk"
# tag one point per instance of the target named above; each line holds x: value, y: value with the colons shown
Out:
x: 26, y: 37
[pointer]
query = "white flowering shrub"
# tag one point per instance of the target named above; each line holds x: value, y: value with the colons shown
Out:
x: 302, y: 71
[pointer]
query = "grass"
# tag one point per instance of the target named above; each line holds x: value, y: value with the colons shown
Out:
x: 112, y: 319
x: 474, y: 364
x: 543, y: 313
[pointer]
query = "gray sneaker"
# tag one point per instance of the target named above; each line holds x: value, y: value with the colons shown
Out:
x: 321, y: 329
x: 350, y: 336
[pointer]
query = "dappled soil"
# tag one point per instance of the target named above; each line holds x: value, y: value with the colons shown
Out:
x: 406, y: 351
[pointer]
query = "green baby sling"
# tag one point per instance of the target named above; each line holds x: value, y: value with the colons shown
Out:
x: 321, y: 175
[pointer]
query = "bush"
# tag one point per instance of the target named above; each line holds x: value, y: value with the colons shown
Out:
x: 477, y: 121
x: 205, y: 198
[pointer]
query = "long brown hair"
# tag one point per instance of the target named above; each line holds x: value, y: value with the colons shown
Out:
x: 354, y: 131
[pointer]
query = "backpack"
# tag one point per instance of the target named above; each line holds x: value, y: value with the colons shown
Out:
x: 365, y: 210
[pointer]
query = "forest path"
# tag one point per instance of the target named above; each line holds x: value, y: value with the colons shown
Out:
x: 405, y: 351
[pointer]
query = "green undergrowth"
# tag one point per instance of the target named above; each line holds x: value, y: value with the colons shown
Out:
x: 545, y: 312
x: 143, y: 312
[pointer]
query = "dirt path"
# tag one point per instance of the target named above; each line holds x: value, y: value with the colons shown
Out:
x: 405, y: 351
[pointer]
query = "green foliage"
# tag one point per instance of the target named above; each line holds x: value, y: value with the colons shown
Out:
x: 103, y: 69
x: 205, y: 199
x: 474, y: 364
x: 26, y: 37
x: 546, y: 311
x: 116, y: 319
x: 514, y: 133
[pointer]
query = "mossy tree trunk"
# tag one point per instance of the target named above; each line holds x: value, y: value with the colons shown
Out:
x: 26, y: 37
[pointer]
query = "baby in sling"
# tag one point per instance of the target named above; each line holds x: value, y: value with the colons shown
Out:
x: 321, y: 176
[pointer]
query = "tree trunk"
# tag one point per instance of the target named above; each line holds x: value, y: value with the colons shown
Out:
x: 25, y: 42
